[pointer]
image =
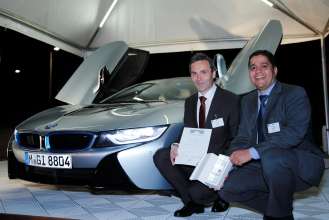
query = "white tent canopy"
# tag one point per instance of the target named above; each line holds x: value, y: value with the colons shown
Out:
x: 166, y: 25
x: 161, y: 25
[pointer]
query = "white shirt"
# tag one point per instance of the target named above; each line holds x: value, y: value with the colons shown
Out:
x: 209, y: 95
x: 266, y: 92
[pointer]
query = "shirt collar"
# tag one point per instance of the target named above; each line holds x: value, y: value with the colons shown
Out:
x: 210, y: 93
x: 268, y: 90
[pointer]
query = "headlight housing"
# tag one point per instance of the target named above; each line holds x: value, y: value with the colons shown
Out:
x: 11, y: 139
x: 129, y: 136
x: 15, y: 136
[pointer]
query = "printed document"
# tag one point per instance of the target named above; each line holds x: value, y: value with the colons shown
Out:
x: 193, y: 146
x: 212, y: 170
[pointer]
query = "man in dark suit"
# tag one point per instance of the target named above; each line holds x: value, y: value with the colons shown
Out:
x: 219, y: 112
x: 272, y: 153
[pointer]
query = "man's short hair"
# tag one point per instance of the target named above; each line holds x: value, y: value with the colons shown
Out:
x: 201, y: 56
x: 265, y: 53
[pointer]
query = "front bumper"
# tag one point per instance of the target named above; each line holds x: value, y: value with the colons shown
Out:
x: 108, y: 173
x: 128, y: 165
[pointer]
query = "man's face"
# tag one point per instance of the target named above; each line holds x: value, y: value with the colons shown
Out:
x: 202, y: 76
x: 261, y: 72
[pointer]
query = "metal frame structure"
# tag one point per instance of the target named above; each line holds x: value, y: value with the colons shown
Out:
x: 279, y: 5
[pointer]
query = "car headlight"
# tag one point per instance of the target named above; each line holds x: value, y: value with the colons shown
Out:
x: 129, y: 136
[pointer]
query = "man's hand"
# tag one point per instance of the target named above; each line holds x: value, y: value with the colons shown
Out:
x: 240, y: 157
x: 173, y: 152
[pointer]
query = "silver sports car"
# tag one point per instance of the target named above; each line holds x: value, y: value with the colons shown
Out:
x: 110, y: 143
x: 109, y: 140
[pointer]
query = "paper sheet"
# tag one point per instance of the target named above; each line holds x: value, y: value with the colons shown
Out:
x: 193, y: 145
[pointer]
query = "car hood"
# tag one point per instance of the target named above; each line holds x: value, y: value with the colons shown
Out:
x: 104, y: 117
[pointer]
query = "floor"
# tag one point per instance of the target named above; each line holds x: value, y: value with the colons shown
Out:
x: 21, y: 197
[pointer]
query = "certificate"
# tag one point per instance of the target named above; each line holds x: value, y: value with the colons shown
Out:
x: 193, y: 146
x: 212, y: 170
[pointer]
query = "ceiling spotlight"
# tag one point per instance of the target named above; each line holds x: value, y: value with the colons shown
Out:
x: 56, y: 48
x: 17, y: 71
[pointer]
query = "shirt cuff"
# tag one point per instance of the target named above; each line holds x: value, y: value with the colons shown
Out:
x: 254, y: 154
x: 175, y: 144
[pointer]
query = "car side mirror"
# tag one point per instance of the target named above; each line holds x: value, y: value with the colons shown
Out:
x: 221, y: 69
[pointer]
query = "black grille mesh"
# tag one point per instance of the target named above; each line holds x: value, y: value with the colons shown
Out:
x: 69, y: 141
x: 61, y: 141
x: 29, y: 140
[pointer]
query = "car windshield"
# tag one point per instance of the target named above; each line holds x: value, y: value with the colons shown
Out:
x: 160, y: 90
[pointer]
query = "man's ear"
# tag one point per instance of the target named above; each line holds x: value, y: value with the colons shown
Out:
x: 275, y: 71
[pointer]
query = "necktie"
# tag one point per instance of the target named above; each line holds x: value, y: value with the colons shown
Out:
x: 202, y: 112
x: 261, y: 111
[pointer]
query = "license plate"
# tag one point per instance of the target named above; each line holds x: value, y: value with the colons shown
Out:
x: 63, y: 161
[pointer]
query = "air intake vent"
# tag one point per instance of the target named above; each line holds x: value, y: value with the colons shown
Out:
x: 29, y: 140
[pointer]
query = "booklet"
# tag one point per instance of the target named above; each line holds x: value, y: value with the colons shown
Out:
x: 212, y: 170
x: 193, y: 145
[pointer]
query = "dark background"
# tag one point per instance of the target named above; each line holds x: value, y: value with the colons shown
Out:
x: 26, y: 93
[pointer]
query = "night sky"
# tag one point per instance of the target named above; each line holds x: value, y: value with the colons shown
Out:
x: 23, y: 94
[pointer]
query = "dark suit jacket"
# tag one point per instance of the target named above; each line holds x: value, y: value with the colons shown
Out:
x: 224, y: 105
x: 289, y: 106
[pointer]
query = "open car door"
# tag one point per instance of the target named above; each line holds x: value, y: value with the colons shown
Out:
x: 236, y: 78
x: 107, y: 70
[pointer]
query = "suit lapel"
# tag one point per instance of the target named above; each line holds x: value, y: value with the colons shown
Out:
x: 194, y: 110
x: 212, y: 109
x: 254, y: 107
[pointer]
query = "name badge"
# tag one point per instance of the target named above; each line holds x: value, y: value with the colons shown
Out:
x: 218, y: 122
x: 274, y: 127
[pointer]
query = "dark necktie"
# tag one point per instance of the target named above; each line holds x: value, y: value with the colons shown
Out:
x: 202, y: 112
x: 261, y: 111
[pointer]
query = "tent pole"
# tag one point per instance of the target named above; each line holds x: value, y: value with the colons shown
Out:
x: 50, y: 83
x: 325, y: 91
x: 286, y: 11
